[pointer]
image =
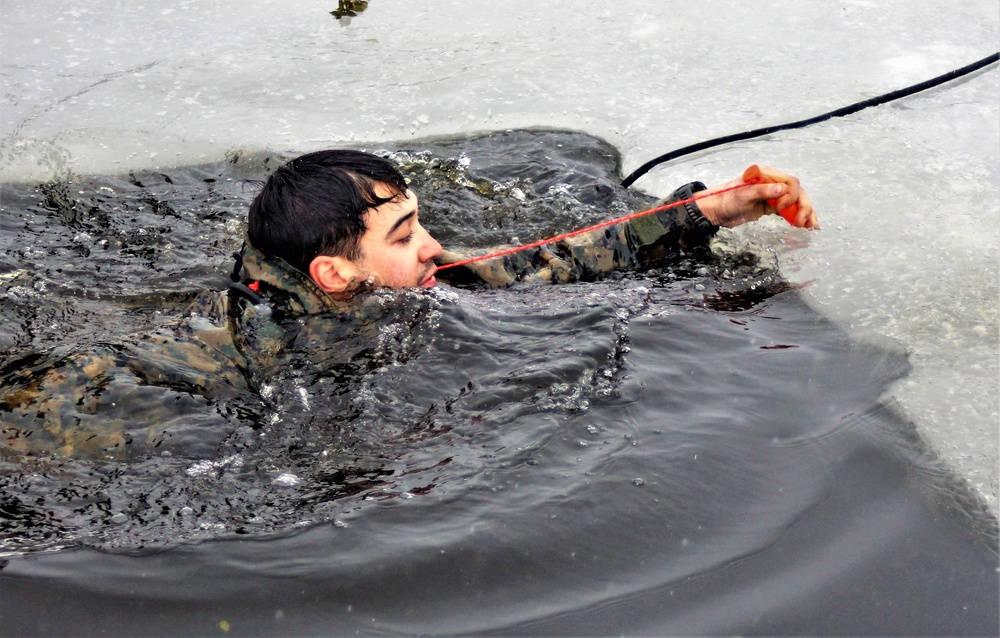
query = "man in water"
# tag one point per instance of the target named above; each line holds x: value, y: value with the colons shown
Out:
x: 348, y: 220
x: 326, y: 229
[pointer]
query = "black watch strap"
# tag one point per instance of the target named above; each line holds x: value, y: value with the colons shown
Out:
x: 695, y: 218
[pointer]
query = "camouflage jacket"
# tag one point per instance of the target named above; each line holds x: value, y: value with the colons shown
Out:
x: 178, y: 388
x: 164, y: 389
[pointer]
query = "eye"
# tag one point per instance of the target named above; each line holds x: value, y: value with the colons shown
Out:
x: 406, y: 240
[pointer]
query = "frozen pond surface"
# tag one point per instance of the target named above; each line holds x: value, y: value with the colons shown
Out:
x: 908, y: 192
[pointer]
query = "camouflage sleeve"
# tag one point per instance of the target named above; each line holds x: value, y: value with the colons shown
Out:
x: 166, y: 390
x: 658, y: 236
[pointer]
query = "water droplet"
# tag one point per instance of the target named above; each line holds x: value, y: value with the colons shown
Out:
x: 638, y: 481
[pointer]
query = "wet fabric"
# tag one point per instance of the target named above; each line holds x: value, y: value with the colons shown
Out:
x: 181, y: 389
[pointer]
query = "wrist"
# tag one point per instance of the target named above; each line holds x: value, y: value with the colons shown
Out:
x: 710, y: 208
x: 701, y: 218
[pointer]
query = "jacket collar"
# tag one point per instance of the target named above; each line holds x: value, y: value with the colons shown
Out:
x: 303, y: 293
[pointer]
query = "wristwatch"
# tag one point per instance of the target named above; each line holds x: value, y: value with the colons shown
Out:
x: 696, y: 218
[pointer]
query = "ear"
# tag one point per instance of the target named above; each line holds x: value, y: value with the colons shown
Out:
x: 334, y: 275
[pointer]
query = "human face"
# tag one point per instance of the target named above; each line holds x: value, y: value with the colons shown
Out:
x: 396, y: 251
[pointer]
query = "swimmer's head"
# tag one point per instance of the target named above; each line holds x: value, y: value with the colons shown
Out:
x: 324, y: 213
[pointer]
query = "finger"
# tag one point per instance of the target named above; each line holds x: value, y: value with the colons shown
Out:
x: 769, y: 173
x: 794, y: 205
x: 762, y: 193
x: 778, y: 202
x: 807, y: 215
x: 790, y: 198
x: 792, y: 192
x: 780, y: 199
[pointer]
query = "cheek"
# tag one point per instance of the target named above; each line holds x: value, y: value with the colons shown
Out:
x: 398, y: 268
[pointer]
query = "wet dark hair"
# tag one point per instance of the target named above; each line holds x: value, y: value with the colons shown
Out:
x: 316, y: 205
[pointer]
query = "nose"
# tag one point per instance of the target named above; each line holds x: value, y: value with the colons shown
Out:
x: 430, y: 249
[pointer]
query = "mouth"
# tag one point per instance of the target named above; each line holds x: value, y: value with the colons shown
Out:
x: 429, y: 281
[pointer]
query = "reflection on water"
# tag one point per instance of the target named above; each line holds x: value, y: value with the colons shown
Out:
x: 683, y: 450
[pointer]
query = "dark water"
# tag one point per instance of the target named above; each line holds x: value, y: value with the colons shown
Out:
x: 686, y: 450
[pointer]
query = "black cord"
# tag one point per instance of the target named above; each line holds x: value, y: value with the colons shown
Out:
x: 847, y: 110
x: 244, y: 291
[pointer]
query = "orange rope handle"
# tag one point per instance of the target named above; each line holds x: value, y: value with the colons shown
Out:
x: 604, y: 224
x: 790, y: 212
